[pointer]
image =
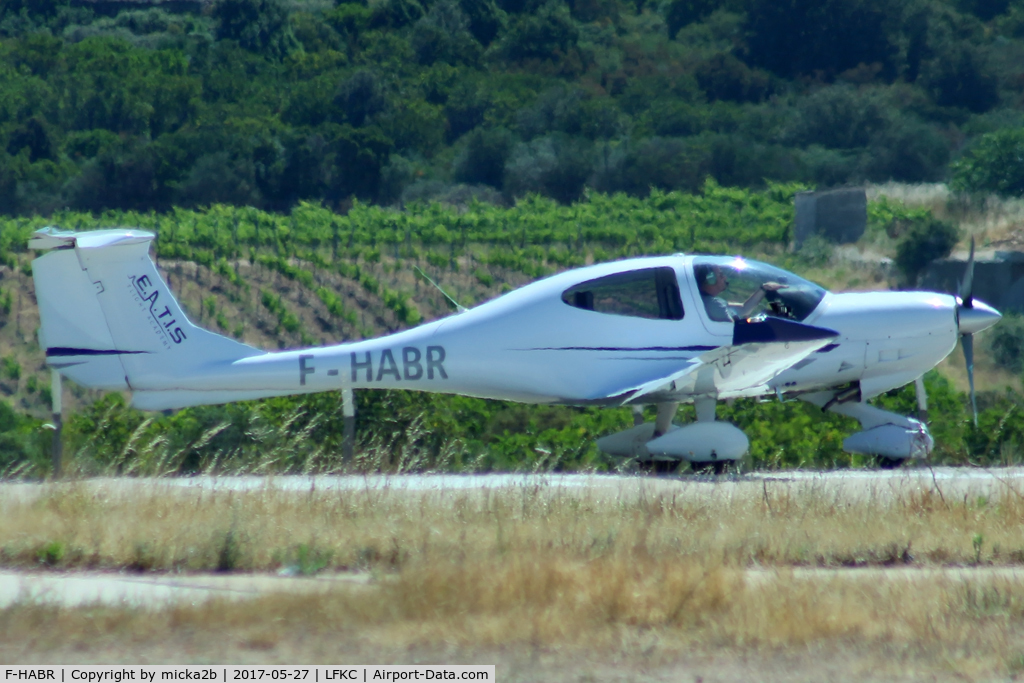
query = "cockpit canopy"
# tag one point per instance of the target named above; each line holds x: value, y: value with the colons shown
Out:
x: 734, y: 288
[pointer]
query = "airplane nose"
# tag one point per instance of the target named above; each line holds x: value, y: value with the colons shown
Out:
x: 979, y: 317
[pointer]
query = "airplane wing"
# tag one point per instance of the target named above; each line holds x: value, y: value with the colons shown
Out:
x: 760, y: 350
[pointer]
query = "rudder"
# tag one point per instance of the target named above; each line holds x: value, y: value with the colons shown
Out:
x: 108, y: 319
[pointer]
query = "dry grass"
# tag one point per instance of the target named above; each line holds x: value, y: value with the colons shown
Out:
x: 616, y: 580
x: 994, y: 221
x: 605, y: 616
x: 774, y: 524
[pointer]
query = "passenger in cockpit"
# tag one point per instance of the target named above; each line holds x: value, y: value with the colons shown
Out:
x: 713, y: 282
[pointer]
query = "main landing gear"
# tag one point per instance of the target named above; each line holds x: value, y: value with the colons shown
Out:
x: 707, y: 444
x: 710, y: 446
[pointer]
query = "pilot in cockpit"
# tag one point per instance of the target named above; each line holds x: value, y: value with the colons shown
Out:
x: 713, y: 282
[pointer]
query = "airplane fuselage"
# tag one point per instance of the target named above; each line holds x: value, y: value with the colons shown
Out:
x: 532, y: 346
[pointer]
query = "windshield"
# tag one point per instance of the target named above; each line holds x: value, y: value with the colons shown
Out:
x: 734, y: 288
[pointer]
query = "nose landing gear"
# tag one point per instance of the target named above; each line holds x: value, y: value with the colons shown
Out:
x: 891, y: 438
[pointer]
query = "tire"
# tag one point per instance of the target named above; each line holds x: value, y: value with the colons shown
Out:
x: 657, y: 467
x: 715, y: 467
x: 886, y: 463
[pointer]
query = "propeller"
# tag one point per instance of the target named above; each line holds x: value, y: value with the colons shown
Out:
x: 967, y: 338
x: 971, y: 317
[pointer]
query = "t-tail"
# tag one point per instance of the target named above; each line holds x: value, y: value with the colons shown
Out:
x: 109, y: 321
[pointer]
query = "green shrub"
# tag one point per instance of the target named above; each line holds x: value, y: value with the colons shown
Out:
x: 11, y: 367
x: 51, y: 554
x: 925, y: 241
x: 1005, y: 342
x: 994, y: 164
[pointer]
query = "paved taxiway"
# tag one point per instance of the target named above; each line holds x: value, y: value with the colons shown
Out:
x: 160, y: 590
x: 954, y: 481
x: 110, y: 588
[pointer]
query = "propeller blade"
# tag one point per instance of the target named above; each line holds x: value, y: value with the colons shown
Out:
x: 967, y: 284
x: 967, y: 341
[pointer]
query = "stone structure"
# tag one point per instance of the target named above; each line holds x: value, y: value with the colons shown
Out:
x: 998, y: 278
x: 839, y: 216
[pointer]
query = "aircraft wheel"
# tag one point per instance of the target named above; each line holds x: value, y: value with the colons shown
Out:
x: 885, y: 463
x: 666, y: 466
x: 710, y: 467
x: 660, y: 466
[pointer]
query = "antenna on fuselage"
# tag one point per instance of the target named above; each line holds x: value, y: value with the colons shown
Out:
x: 458, y: 307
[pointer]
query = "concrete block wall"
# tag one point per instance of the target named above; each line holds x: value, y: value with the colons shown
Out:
x: 840, y: 216
x: 998, y: 279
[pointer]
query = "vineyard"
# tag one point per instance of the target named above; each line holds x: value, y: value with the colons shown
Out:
x: 315, y: 277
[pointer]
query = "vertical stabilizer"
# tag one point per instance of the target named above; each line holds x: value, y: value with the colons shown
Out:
x: 108, y: 319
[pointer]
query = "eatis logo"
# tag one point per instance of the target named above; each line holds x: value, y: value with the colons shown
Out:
x: 164, y: 321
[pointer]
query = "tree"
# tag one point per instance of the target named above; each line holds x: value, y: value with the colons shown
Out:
x: 723, y: 77
x: 682, y: 13
x: 124, y: 178
x: 258, y: 26
x: 483, y: 158
x: 396, y: 13
x: 34, y: 136
x: 218, y: 178
x: 555, y: 165
x: 958, y: 77
x: 662, y: 163
x: 547, y: 34
x: 443, y: 35
x: 358, y: 156
x: 908, y: 150
x: 994, y: 164
x: 359, y: 97
x: 838, y: 116
x: 486, y: 20
x: 798, y: 37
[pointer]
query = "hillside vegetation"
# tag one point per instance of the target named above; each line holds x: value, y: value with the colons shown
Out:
x: 270, y: 103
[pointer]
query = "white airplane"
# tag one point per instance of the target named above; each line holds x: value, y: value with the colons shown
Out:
x: 659, y: 330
